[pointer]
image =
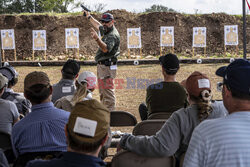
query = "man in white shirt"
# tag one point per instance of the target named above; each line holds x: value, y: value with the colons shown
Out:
x: 225, y: 141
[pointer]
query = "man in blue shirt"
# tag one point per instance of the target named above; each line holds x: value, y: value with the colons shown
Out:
x: 87, y: 132
x: 225, y: 141
x: 43, y: 129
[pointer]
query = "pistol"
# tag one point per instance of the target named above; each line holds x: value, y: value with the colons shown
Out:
x: 84, y: 8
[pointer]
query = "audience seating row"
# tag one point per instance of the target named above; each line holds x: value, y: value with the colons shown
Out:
x: 118, y: 119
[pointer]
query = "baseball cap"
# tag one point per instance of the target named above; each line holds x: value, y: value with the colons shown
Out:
x: 88, y: 77
x: 196, y: 83
x: 3, y: 81
x: 236, y: 75
x: 107, y: 17
x: 9, y: 72
x: 170, y: 62
x: 34, y: 78
x: 71, y: 67
x: 88, y: 121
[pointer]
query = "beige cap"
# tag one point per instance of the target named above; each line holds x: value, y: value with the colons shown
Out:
x: 89, y: 121
x: 3, y: 81
x: 196, y: 83
x: 34, y: 78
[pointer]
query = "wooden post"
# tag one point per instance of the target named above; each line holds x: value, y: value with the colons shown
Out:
x: 205, y: 50
x: 225, y: 50
x: 3, y: 55
x: 45, y: 55
x: 129, y: 53
x: 160, y: 50
x: 140, y: 52
x: 172, y: 49
x: 237, y: 50
x: 33, y: 55
x: 78, y: 53
x: 15, y: 54
x: 193, y: 51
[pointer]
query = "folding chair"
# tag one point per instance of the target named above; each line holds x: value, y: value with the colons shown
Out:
x: 160, y: 115
x: 23, y: 159
x: 122, y: 118
x: 148, y: 127
x: 5, y: 141
x: 129, y: 159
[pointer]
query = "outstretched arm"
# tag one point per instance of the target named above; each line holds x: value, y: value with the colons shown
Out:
x: 164, y: 143
x: 96, y: 24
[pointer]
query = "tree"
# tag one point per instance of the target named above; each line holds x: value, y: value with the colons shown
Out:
x: 3, y: 5
x: 159, y: 8
x: 16, y: 6
x: 29, y: 6
x: 99, y: 7
x: 58, y: 6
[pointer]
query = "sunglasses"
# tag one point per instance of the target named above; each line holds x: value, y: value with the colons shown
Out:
x: 219, y: 86
x: 105, y: 21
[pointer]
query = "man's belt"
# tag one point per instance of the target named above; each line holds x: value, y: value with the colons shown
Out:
x: 107, y: 62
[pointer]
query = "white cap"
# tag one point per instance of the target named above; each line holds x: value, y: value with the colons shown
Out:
x: 88, y: 77
x: 3, y: 81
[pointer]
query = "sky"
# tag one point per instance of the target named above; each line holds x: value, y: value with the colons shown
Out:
x: 182, y: 6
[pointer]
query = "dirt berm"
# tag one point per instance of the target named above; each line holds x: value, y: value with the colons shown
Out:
x: 150, y: 26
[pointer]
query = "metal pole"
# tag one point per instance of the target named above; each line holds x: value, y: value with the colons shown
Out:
x: 0, y: 58
x: 0, y: 55
x: 244, y: 29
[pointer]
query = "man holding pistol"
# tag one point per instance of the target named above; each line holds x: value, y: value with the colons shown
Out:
x: 106, y: 56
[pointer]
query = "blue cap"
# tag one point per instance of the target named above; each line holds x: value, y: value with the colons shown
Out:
x: 236, y: 75
x: 107, y: 17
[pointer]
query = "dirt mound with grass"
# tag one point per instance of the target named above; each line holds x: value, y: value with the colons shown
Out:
x: 150, y: 24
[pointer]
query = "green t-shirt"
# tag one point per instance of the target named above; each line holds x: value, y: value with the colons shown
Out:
x: 165, y: 97
x: 112, y: 40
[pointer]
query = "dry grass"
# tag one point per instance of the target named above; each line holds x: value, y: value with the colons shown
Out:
x: 129, y: 99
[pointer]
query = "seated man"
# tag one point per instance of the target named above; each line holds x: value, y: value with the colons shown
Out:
x: 23, y: 105
x: 225, y: 141
x: 87, y: 132
x: 43, y: 129
x: 66, y: 85
x: 9, y: 114
x: 166, y: 96
x: 85, y: 85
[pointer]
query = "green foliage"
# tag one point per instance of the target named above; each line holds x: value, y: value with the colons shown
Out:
x: 37, y: 6
x: 99, y: 7
x: 16, y: 6
x: 159, y: 8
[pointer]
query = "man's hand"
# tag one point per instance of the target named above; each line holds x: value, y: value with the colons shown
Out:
x: 86, y: 13
x: 94, y: 34
x: 100, y: 43
x: 118, y: 148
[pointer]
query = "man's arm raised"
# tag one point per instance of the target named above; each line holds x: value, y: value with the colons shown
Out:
x: 92, y: 20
